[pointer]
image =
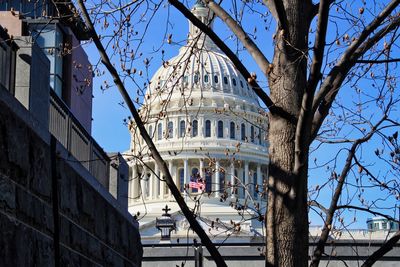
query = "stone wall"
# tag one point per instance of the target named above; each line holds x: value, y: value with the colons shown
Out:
x: 52, y: 211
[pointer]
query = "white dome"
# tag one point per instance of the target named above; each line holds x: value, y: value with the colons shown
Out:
x: 201, y: 73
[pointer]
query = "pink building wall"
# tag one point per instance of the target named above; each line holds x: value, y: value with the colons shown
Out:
x: 79, y: 84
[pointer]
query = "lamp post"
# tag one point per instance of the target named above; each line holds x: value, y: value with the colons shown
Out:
x: 165, y: 224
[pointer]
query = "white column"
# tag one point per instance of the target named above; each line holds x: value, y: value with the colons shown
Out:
x: 157, y: 182
x: 151, y: 184
x: 245, y: 177
x: 232, y: 180
x: 259, y: 179
x: 171, y: 171
x: 144, y: 183
x: 201, y: 171
x: 185, y: 174
x: 201, y: 127
x: 217, y: 180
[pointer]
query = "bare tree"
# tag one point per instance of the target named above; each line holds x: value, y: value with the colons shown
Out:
x: 323, y: 53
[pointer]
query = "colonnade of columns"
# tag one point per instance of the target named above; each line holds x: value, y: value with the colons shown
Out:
x: 147, y: 183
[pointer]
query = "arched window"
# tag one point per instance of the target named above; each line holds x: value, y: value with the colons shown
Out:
x: 221, y: 181
x: 182, y: 129
x: 208, y: 128
x: 234, y: 81
x: 208, y: 181
x: 206, y: 78
x: 220, y: 131
x: 185, y: 79
x: 241, y: 83
x: 243, y: 131
x: 194, y: 178
x: 170, y: 129
x: 232, y: 130
x: 252, y: 134
x: 216, y: 79
x: 225, y: 80
x: 181, y: 179
x: 196, y: 78
x: 159, y: 131
x: 195, y: 125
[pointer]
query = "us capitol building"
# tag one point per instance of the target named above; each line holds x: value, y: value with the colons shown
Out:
x: 209, y: 127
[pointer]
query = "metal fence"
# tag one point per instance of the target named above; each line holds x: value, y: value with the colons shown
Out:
x: 71, y: 134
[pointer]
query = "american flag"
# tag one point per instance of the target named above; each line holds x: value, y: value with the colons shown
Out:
x: 197, y: 184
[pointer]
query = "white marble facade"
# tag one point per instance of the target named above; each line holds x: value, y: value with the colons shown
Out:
x: 206, y: 122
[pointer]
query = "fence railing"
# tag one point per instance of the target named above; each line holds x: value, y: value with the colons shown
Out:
x: 71, y: 134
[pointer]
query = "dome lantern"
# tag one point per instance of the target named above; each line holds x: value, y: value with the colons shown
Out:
x: 204, y: 14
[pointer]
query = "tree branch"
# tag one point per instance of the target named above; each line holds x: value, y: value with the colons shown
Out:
x: 331, y: 85
x: 319, y: 45
x: 250, y: 46
x: 377, y: 61
x: 375, y: 213
x: 385, y: 248
x: 235, y: 60
x: 352, y: 48
x: 319, y: 249
x: 305, y: 117
x: 156, y: 155
x: 278, y: 11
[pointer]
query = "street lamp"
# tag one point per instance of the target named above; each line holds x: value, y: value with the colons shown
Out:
x: 165, y: 224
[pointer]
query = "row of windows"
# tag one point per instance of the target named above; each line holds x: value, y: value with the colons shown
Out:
x: 206, y: 79
x: 195, y: 130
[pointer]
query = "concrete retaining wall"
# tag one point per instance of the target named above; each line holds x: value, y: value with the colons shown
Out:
x: 52, y: 211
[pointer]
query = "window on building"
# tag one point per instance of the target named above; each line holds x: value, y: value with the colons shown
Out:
x: 182, y: 129
x: 208, y: 128
x: 216, y: 79
x: 196, y: 78
x: 206, y: 78
x: 232, y: 130
x: 50, y: 38
x: 185, y: 79
x: 170, y: 129
x: 252, y: 134
x: 159, y: 131
x: 208, y: 181
x: 151, y: 130
x: 220, y: 130
x: 241, y: 83
x: 243, y: 131
x: 181, y: 179
x: 221, y: 181
x: 234, y: 82
x: 225, y: 80
x: 195, y: 125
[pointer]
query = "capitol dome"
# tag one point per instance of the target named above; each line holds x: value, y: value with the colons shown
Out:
x: 208, y: 126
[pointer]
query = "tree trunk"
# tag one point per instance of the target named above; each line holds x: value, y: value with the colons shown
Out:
x: 287, y: 218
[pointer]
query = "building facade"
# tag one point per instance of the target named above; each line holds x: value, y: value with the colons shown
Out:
x: 209, y: 127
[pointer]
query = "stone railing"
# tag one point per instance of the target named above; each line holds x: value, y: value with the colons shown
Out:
x: 71, y: 134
